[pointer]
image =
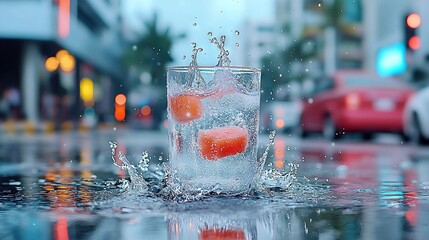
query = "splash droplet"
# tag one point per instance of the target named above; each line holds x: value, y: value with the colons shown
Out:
x: 210, y: 34
x: 223, y: 55
x: 237, y: 44
x: 134, y: 47
x: 195, y: 51
x: 237, y: 32
x: 194, y: 24
x: 184, y: 57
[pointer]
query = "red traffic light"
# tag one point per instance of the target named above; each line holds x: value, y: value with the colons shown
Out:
x: 413, y: 20
x: 414, y: 43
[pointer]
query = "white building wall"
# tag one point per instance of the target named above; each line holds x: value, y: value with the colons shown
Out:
x: 27, y: 19
x: 260, y: 41
x: 30, y: 81
x: 383, y: 26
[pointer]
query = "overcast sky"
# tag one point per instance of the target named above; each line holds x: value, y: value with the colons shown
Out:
x: 196, y: 18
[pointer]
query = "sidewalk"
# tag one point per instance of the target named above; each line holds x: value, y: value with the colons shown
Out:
x: 27, y: 128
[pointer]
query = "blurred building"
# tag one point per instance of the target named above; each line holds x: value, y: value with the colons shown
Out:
x: 322, y: 36
x: 260, y: 40
x: 382, y: 28
x: 33, y: 31
x: 321, y: 39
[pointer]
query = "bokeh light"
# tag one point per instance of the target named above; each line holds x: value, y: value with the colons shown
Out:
x: 86, y: 89
x: 67, y: 63
x: 279, y: 164
x: 413, y: 20
x: 280, y: 123
x: 414, y: 43
x: 145, y: 111
x: 51, y: 64
x: 120, y: 112
x: 120, y: 99
x: 61, y: 53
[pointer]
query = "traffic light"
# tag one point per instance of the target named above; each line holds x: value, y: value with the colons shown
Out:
x: 412, y: 23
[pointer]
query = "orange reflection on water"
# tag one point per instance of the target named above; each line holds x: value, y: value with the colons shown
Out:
x: 220, y: 234
x: 279, y: 152
x: 61, y: 229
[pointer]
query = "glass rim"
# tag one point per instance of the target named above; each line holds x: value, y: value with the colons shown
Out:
x: 212, y: 68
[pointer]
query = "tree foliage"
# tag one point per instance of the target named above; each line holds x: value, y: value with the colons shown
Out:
x: 152, y: 51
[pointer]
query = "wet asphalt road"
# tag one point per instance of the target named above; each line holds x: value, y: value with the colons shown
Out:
x: 54, y: 187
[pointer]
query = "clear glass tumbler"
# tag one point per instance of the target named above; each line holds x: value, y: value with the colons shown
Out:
x: 213, y: 115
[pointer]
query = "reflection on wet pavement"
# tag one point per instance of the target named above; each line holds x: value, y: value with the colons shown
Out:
x: 66, y: 187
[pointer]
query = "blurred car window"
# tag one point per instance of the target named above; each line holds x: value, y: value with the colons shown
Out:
x: 323, y: 84
x: 371, y: 81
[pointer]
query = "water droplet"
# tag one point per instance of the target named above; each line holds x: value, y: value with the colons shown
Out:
x: 134, y: 47
x: 319, y: 4
x: 310, y: 100
x: 237, y: 44
x: 210, y: 34
x: 194, y: 45
x: 237, y: 32
x: 194, y: 24
x: 280, y: 75
x: 184, y: 57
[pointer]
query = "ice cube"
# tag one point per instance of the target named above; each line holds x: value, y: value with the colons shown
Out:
x: 224, y: 79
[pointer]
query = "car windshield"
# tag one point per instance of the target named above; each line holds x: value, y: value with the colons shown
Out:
x: 371, y: 81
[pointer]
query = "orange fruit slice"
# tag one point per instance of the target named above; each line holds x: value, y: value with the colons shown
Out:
x: 221, y: 142
x: 185, y: 108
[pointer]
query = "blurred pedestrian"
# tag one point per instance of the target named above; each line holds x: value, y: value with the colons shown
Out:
x: 4, y: 107
x: 14, y: 102
x: 47, y: 106
x: 60, y: 99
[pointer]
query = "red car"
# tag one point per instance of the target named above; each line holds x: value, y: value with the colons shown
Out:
x: 354, y: 101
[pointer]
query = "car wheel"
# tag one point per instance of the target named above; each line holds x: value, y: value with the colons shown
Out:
x: 415, y: 132
x: 367, y: 136
x: 329, y: 129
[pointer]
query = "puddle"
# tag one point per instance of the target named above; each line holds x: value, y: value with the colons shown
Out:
x: 343, y: 190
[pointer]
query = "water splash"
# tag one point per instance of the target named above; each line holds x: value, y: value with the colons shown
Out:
x: 263, y: 159
x: 195, y: 51
x: 194, y: 78
x: 162, y: 181
x: 137, y: 181
x: 223, y: 54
